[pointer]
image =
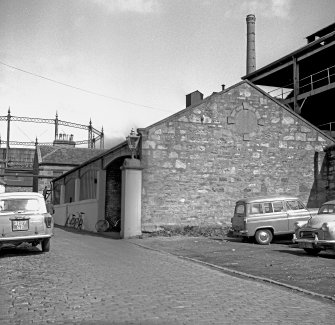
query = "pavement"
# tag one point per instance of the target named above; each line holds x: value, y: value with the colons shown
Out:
x: 282, y: 263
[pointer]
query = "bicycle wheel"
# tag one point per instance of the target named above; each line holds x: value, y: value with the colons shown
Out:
x: 76, y: 223
x: 80, y: 224
x: 73, y: 221
x: 67, y: 222
x: 102, y: 225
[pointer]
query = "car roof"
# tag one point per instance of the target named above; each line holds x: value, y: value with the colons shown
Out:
x: 329, y: 202
x: 20, y: 194
x: 257, y: 199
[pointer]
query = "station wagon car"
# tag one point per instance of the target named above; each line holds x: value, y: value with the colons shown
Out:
x: 24, y: 219
x: 319, y: 232
x: 262, y: 218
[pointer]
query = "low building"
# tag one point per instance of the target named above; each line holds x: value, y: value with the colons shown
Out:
x: 53, y: 161
x: 16, y: 168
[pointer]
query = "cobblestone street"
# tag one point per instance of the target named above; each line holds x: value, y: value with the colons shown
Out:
x: 88, y: 279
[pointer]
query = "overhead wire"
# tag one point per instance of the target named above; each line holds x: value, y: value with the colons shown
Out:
x: 81, y: 89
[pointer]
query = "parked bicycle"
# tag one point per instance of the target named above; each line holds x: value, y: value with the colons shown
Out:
x: 105, y: 225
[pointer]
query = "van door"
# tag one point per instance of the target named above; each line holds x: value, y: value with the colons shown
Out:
x: 296, y: 212
x: 238, y: 220
x: 276, y: 216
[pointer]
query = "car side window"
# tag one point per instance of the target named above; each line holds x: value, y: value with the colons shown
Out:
x: 256, y: 208
x: 268, y: 207
x: 294, y: 205
x: 278, y: 206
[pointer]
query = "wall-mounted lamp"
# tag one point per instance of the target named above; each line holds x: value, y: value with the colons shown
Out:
x: 133, y: 140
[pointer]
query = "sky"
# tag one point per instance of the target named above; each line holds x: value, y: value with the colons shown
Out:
x: 127, y: 64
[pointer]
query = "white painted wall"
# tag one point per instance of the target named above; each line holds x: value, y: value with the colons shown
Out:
x: 89, y: 207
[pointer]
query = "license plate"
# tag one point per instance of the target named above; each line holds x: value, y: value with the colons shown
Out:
x: 20, y: 225
x: 306, y: 245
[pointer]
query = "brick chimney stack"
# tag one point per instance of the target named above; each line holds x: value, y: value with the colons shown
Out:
x: 251, y: 50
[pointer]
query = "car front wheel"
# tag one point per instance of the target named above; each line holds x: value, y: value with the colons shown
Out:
x: 263, y: 236
x: 46, y: 245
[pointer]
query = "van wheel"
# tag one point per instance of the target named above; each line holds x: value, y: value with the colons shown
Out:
x: 263, y: 236
x: 45, y: 245
x: 312, y: 251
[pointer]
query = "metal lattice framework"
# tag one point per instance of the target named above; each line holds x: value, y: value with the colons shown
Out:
x: 94, y: 135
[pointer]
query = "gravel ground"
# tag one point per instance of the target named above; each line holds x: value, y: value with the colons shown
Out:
x: 282, y: 261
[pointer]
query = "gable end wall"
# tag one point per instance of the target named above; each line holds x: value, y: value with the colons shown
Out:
x: 235, y: 144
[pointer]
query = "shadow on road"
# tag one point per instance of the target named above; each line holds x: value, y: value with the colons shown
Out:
x: 11, y: 251
x: 302, y: 253
x: 282, y: 240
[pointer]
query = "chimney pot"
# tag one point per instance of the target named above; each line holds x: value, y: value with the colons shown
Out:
x: 223, y: 86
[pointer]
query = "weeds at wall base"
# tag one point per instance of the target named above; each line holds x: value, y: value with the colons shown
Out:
x: 192, y: 231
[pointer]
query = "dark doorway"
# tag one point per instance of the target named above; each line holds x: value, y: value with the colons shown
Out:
x: 113, y: 194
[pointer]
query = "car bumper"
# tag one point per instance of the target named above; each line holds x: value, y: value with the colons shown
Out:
x: 303, y: 243
x: 24, y: 238
x: 238, y: 233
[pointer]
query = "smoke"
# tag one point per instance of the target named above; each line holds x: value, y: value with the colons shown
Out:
x: 111, y: 142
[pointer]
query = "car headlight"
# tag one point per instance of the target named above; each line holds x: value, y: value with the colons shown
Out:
x: 325, y: 227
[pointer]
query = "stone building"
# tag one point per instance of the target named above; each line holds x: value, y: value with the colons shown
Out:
x: 197, y: 163
x: 237, y: 143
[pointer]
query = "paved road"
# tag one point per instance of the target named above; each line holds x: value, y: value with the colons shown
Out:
x: 93, y: 280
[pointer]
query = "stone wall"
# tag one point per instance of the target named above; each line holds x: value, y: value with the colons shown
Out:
x: 234, y: 144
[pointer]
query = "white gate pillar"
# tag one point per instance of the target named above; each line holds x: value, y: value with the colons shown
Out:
x: 76, y: 190
x: 62, y: 194
x: 131, y: 196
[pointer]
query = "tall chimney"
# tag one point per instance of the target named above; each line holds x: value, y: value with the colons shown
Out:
x: 251, y: 51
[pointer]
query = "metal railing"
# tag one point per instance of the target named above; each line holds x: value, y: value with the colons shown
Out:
x: 316, y: 80
x: 328, y: 127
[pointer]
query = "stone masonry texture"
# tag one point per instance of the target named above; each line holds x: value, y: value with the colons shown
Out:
x: 234, y: 144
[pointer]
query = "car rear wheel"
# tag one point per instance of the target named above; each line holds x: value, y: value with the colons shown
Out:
x: 312, y: 251
x: 263, y: 236
x: 45, y: 245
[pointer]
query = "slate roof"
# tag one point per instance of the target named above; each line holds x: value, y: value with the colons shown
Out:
x: 51, y: 155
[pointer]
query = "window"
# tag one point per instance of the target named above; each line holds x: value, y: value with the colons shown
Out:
x: 256, y: 208
x: 294, y: 205
x: 56, y: 192
x: 328, y: 208
x: 69, y: 188
x: 13, y: 205
x: 239, y: 209
x: 278, y: 206
x: 268, y: 207
x: 88, y: 185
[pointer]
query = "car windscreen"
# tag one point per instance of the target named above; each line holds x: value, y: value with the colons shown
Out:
x: 18, y: 204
